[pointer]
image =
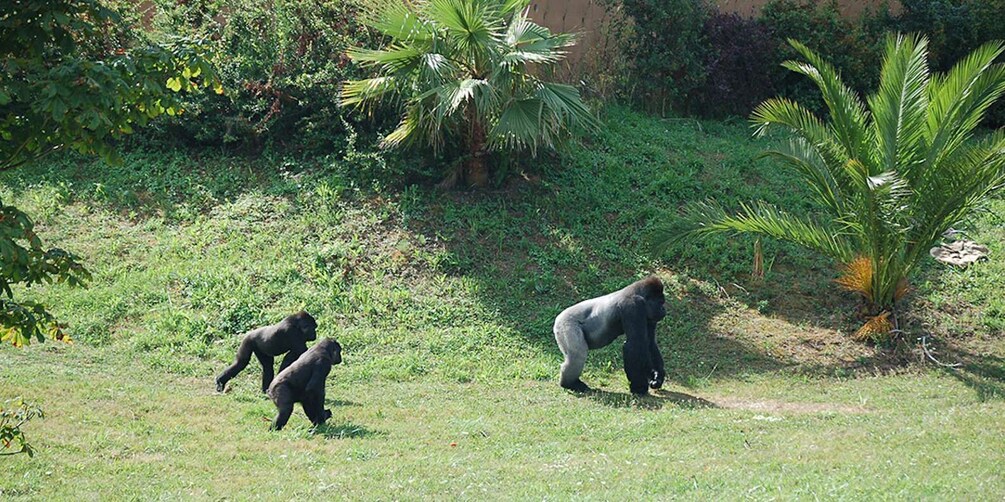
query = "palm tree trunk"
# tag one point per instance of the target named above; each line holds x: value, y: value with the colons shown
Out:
x: 476, y: 173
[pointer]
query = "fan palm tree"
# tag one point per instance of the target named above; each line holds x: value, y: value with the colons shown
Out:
x: 891, y: 175
x: 462, y: 70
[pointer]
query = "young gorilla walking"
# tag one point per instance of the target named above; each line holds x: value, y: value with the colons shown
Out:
x: 289, y: 336
x: 304, y: 382
x: 595, y: 323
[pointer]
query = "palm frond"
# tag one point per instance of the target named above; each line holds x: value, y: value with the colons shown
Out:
x: 472, y: 25
x: 533, y: 43
x: 394, y: 59
x: 764, y: 219
x: 360, y: 93
x: 513, y: 6
x: 848, y: 114
x: 395, y: 20
x: 564, y: 101
x: 519, y: 126
x: 899, y: 108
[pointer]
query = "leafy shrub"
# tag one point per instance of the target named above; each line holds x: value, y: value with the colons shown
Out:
x: 669, y: 51
x: 844, y: 42
x: 282, y: 63
x: 951, y: 27
x: 14, y: 414
x: 739, y: 66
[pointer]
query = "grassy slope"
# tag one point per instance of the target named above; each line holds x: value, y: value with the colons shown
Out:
x: 444, y: 305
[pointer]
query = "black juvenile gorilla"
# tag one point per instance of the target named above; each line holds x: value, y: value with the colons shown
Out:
x: 304, y: 382
x: 289, y: 336
x: 595, y: 323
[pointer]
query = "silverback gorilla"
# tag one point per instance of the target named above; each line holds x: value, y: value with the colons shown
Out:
x: 595, y: 323
x: 289, y: 336
x: 304, y: 382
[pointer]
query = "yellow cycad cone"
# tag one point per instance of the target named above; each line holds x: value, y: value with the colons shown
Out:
x: 857, y: 276
x: 874, y: 328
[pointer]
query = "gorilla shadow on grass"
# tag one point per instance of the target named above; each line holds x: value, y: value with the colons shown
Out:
x: 655, y: 400
x: 345, y: 430
x: 340, y: 402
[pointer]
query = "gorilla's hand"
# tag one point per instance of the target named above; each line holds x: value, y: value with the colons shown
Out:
x: 326, y: 415
x: 656, y: 380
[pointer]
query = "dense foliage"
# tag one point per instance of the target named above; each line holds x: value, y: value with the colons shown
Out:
x: 739, y: 67
x: 891, y: 174
x: 462, y: 69
x: 281, y: 61
x: 687, y: 57
x: 72, y: 76
x: 668, y: 52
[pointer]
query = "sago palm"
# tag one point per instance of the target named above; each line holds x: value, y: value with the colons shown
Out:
x: 890, y: 174
x: 461, y: 69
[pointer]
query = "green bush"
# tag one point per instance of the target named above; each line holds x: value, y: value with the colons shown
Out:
x: 669, y: 52
x: 282, y: 63
x: 955, y: 27
x: 847, y: 44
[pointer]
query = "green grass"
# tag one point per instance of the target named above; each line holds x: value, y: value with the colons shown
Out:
x: 444, y: 304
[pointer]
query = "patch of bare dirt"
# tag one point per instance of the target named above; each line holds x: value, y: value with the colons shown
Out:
x: 769, y: 406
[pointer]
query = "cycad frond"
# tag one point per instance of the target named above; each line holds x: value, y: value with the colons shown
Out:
x: 856, y: 276
x: 959, y: 99
x: 848, y: 115
x: 877, y: 327
x: 819, y: 137
x: 899, y: 108
x: 827, y: 183
x: 764, y: 219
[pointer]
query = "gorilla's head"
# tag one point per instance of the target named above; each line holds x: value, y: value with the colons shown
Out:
x: 332, y: 349
x: 652, y: 291
x: 308, y: 326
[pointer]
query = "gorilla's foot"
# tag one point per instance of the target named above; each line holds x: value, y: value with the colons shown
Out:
x: 640, y: 391
x: 220, y: 386
x: 656, y: 379
x: 577, y: 386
